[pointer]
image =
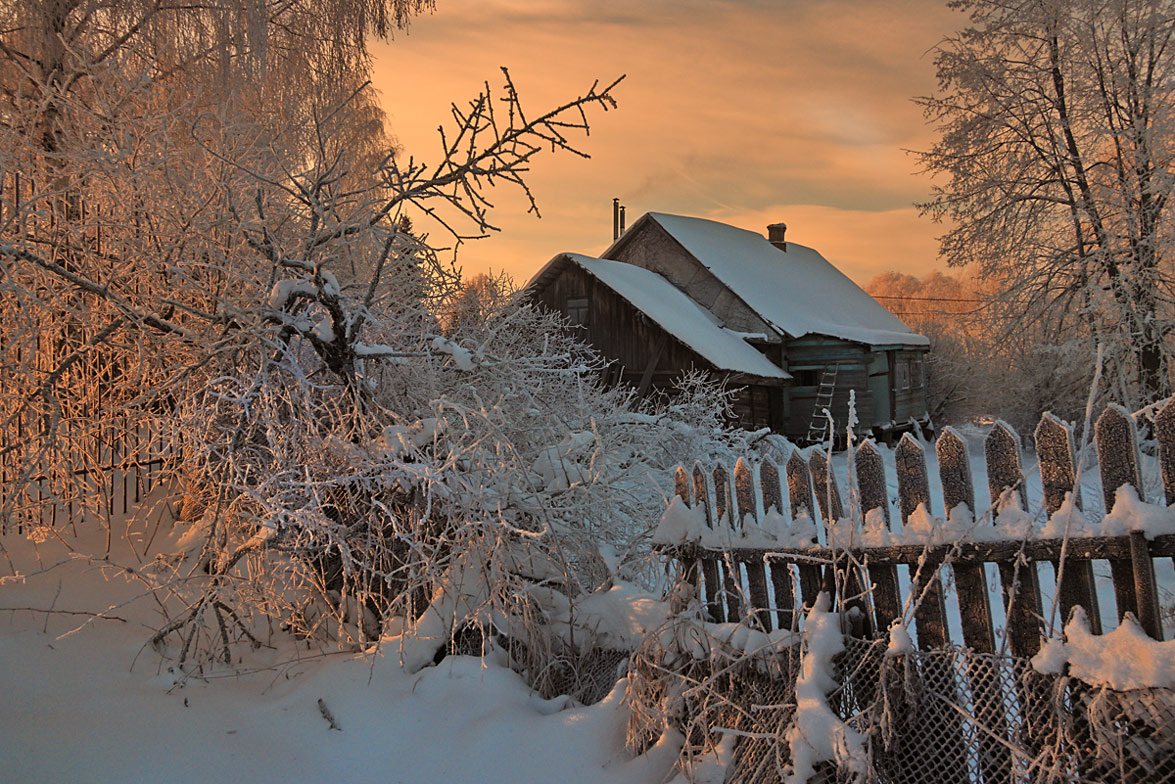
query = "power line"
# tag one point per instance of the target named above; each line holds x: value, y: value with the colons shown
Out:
x: 935, y: 312
x: 928, y: 299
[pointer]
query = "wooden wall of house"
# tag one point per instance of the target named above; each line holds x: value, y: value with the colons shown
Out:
x: 618, y: 331
x: 621, y: 333
x: 648, y: 245
x: 885, y: 394
x: 757, y: 406
x: 807, y: 357
x: 908, y: 400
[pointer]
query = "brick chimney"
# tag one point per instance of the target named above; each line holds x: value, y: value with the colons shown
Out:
x: 775, y: 234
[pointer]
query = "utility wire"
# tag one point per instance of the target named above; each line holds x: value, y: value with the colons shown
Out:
x: 928, y: 299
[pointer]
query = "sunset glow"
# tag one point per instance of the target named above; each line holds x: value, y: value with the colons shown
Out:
x: 744, y: 112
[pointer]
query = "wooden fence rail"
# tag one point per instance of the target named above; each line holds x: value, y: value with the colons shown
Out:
x: 733, y: 569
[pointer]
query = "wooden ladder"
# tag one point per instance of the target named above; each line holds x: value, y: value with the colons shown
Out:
x: 818, y: 424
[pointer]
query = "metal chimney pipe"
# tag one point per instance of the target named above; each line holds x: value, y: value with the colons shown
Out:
x: 621, y: 220
x: 615, y: 219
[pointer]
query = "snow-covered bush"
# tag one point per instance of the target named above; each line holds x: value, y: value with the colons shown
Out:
x: 353, y: 481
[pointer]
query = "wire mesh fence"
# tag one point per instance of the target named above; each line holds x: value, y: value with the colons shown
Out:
x: 950, y: 715
x: 586, y: 675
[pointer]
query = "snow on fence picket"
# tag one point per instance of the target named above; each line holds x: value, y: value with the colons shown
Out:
x: 958, y: 710
x: 763, y: 544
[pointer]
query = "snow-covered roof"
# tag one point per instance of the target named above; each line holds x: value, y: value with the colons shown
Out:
x: 797, y: 291
x: 676, y: 313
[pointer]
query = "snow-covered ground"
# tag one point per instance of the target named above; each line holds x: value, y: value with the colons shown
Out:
x: 83, y: 700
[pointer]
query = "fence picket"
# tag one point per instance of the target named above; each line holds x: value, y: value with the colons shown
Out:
x: 744, y: 492
x: 689, y: 563
x: 1134, y: 580
x: 887, y: 595
x: 770, y: 488
x: 681, y: 485
x: 1020, y: 581
x: 1058, y: 475
x: 913, y: 491
x: 827, y: 492
x: 779, y: 571
x: 954, y: 471
x: 799, y: 490
x: 831, y: 510
x: 724, y: 520
x: 709, y: 562
x: 1165, y: 435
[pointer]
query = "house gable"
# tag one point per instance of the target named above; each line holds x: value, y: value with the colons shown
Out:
x: 648, y: 245
x: 622, y: 309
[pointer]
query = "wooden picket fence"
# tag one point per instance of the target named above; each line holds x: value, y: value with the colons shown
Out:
x: 733, y: 581
x: 102, y: 469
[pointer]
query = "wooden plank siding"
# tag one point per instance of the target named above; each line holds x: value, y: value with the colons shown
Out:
x: 624, y: 335
x: 807, y: 358
x: 758, y: 406
x: 908, y: 403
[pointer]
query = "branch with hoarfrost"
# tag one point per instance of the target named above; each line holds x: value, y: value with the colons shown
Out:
x: 484, y: 148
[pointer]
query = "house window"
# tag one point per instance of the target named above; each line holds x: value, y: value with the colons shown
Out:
x: 806, y: 378
x: 917, y: 373
x: 577, y: 312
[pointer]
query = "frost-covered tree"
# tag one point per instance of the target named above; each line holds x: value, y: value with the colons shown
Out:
x: 131, y: 135
x: 1055, y: 157
x: 977, y: 366
x: 214, y: 240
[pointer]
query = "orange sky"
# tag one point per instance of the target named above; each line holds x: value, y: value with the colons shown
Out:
x: 744, y: 111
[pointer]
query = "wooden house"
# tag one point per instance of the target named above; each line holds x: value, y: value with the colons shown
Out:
x: 775, y: 319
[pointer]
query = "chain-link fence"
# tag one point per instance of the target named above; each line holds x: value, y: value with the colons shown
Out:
x: 944, y: 716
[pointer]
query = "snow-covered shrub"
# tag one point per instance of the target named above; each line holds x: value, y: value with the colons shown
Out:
x: 360, y: 475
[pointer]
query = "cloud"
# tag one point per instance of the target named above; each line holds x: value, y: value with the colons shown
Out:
x: 735, y: 108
